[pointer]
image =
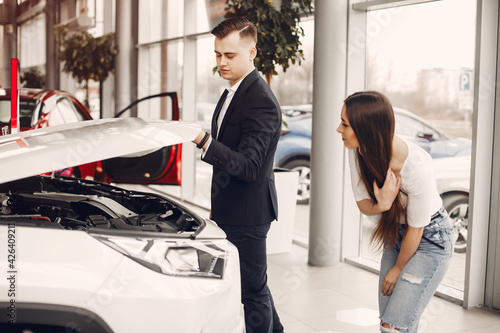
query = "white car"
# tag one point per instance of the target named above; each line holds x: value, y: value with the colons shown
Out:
x: 82, y: 256
x: 453, y: 183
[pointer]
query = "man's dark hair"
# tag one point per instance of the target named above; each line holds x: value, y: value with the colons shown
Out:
x: 246, y: 28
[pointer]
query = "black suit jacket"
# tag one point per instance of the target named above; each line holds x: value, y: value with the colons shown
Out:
x: 242, y: 156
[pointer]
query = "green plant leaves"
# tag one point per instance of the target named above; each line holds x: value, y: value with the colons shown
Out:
x: 278, y: 30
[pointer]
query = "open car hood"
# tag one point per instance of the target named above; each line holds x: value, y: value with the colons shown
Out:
x: 58, y: 147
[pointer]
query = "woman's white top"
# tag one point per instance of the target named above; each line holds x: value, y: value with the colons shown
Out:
x: 417, y: 181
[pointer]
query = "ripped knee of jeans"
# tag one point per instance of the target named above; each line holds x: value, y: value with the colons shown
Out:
x: 387, y: 328
x: 411, y: 278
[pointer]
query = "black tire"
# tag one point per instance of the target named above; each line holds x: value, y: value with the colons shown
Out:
x: 457, y: 206
x: 303, y: 166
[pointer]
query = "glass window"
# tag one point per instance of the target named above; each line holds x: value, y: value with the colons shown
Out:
x: 209, y: 88
x: 68, y: 111
x: 209, y: 13
x: 96, y: 11
x: 26, y: 109
x: 32, y: 42
x: 160, y: 20
x: 209, y: 85
x: 412, y: 127
x: 163, y: 73
x: 55, y: 117
x: 5, y: 112
x: 295, y: 86
x: 37, y: 113
x: 422, y: 58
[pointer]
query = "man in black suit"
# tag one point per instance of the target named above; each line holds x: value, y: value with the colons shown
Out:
x: 246, y: 128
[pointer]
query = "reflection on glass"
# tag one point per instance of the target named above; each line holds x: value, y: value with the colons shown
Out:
x: 422, y: 58
x: 32, y: 41
x: 210, y: 85
x: 160, y: 20
x: 161, y: 72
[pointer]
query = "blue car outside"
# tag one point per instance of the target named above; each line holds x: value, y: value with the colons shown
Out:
x: 295, y: 142
x: 434, y: 141
x: 294, y: 147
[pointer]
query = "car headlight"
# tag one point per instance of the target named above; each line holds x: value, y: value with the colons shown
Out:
x: 176, y: 258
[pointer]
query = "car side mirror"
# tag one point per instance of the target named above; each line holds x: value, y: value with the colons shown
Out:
x: 426, y: 136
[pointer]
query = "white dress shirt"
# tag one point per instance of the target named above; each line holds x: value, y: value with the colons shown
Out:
x: 222, y: 113
x: 417, y: 181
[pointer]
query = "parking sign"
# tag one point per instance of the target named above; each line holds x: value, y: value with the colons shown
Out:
x: 464, y: 81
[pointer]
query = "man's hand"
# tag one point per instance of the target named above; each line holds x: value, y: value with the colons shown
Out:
x: 202, y: 140
x: 200, y: 136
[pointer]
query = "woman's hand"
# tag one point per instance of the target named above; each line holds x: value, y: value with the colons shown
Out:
x: 385, y: 196
x: 409, y: 246
x: 390, y: 280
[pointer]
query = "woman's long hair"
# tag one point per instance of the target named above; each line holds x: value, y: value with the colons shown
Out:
x: 371, y: 117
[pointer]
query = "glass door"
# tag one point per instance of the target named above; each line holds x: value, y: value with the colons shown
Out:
x: 422, y: 58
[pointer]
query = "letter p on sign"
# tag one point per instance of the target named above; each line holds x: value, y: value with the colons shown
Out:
x: 465, y: 81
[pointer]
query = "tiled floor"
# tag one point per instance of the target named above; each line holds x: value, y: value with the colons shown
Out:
x: 343, y: 298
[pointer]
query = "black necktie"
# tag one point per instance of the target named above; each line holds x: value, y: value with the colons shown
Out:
x: 218, y: 108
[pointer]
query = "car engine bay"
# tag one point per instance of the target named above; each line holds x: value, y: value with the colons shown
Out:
x: 78, y: 204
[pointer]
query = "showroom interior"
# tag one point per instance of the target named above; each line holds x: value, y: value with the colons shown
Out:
x: 437, y: 58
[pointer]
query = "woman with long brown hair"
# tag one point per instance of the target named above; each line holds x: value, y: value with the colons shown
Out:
x: 393, y: 179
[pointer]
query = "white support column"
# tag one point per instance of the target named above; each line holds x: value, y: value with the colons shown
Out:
x: 108, y: 104
x: 485, y: 85
x: 51, y: 62
x: 327, y: 150
x: 123, y: 61
x: 188, y: 177
x: 355, y: 49
x: 492, y: 292
x: 9, y: 41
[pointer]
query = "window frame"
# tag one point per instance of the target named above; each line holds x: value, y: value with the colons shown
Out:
x: 482, y: 150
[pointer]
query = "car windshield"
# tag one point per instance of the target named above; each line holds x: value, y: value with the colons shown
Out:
x: 26, y: 109
x: 411, y: 127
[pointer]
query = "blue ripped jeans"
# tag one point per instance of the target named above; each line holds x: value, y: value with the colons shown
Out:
x: 420, y: 277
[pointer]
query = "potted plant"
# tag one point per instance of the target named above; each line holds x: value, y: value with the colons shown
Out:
x: 278, y: 30
x: 86, y: 57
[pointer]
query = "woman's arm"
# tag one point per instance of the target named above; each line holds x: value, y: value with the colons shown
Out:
x: 409, y: 246
x: 385, y: 196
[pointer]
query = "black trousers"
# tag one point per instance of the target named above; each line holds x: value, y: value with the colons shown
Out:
x: 260, y: 313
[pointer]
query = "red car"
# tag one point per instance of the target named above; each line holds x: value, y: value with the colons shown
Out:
x: 42, y: 108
